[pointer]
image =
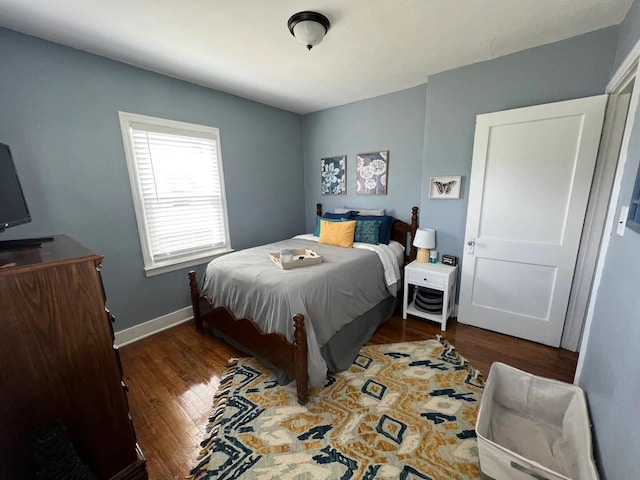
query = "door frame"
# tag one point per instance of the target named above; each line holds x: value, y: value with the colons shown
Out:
x: 594, y: 219
x: 626, y: 73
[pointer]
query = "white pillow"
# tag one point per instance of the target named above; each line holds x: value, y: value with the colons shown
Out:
x: 361, y: 211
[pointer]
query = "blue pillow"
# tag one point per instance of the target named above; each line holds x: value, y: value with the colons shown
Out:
x: 367, y: 231
x: 385, y: 226
x: 350, y: 215
x: 316, y: 233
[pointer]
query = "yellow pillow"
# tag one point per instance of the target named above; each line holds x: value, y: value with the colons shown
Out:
x: 337, y: 233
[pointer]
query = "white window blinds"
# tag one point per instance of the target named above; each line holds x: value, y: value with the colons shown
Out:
x: 178, y: 181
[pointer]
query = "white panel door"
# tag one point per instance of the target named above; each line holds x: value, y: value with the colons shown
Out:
x: 530, y: 180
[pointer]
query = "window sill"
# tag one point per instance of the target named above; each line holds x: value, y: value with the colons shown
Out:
x: 180, y: 264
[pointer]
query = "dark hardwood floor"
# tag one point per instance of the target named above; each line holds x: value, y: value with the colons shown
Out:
x: 173, y: 375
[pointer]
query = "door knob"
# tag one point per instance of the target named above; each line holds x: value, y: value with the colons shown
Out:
x: 470, y: 246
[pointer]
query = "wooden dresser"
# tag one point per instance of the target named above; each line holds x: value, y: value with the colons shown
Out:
x: 58, y: 362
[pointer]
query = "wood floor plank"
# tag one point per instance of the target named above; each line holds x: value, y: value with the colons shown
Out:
x: 174, y: 374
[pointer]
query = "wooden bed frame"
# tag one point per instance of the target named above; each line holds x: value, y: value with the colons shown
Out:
x: 291, y: 358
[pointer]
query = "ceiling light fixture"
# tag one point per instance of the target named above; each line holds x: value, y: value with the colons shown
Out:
x: 309, y: 28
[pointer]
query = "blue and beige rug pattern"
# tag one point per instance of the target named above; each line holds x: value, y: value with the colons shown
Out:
x: 402, y: 411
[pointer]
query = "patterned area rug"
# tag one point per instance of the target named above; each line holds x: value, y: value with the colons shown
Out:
x: 402, y: 411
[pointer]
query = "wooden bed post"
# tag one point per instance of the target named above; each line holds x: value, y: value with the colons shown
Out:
x: 300, y: 359
x: 195, y: 299
x: 414, y: 227
x: 319, y: 209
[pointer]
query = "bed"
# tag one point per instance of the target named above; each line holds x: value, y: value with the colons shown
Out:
x: 305, y: 321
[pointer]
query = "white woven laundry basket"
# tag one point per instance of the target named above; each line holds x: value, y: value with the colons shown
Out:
x: 533, y: 428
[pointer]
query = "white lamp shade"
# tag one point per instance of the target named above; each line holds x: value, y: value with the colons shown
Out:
x: 309, y: 33
x: 425, y: 238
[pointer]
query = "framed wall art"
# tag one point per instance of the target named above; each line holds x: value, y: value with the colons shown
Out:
x: 371, y: 173
x: 333, y: 175
x: 445, y: 187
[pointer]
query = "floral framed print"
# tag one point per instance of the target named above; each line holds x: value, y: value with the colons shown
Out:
x: 445, y: 187
x: 371, y: 173
x: 334, y: 174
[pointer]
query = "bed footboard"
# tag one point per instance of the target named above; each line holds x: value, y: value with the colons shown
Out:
x: 291, y: 358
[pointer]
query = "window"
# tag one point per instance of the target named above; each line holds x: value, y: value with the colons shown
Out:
x: 177, y: 183
x: 633, y: 222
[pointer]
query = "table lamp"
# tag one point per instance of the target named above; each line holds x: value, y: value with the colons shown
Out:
x: 424, y: 240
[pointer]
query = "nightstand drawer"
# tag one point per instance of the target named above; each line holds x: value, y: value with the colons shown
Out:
x: 425, y: 278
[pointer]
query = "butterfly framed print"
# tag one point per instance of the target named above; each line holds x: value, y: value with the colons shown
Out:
x: 445, y: 187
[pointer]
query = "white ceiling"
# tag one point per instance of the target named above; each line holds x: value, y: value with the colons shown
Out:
x: 244, y: 47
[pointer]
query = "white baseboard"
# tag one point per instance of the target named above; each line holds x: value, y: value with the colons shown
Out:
x: 146, y: 329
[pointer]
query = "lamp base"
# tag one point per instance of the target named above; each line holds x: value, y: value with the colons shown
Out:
x: 423, y: 255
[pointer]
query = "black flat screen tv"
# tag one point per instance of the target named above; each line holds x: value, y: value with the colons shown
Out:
x: 13, y: 206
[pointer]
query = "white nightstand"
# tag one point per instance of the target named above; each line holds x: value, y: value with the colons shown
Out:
x: 437, y: 277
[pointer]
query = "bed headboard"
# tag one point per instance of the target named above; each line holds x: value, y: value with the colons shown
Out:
x: 401, y: 232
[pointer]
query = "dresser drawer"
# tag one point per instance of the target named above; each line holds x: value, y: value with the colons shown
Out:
x: 425, y: 278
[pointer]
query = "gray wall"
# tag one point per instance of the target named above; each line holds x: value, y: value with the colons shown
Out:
x: 629, y: 34
x: 573, y: 68
x: 59, y: 113
x: 611, y: 358
x: 393, y: 122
